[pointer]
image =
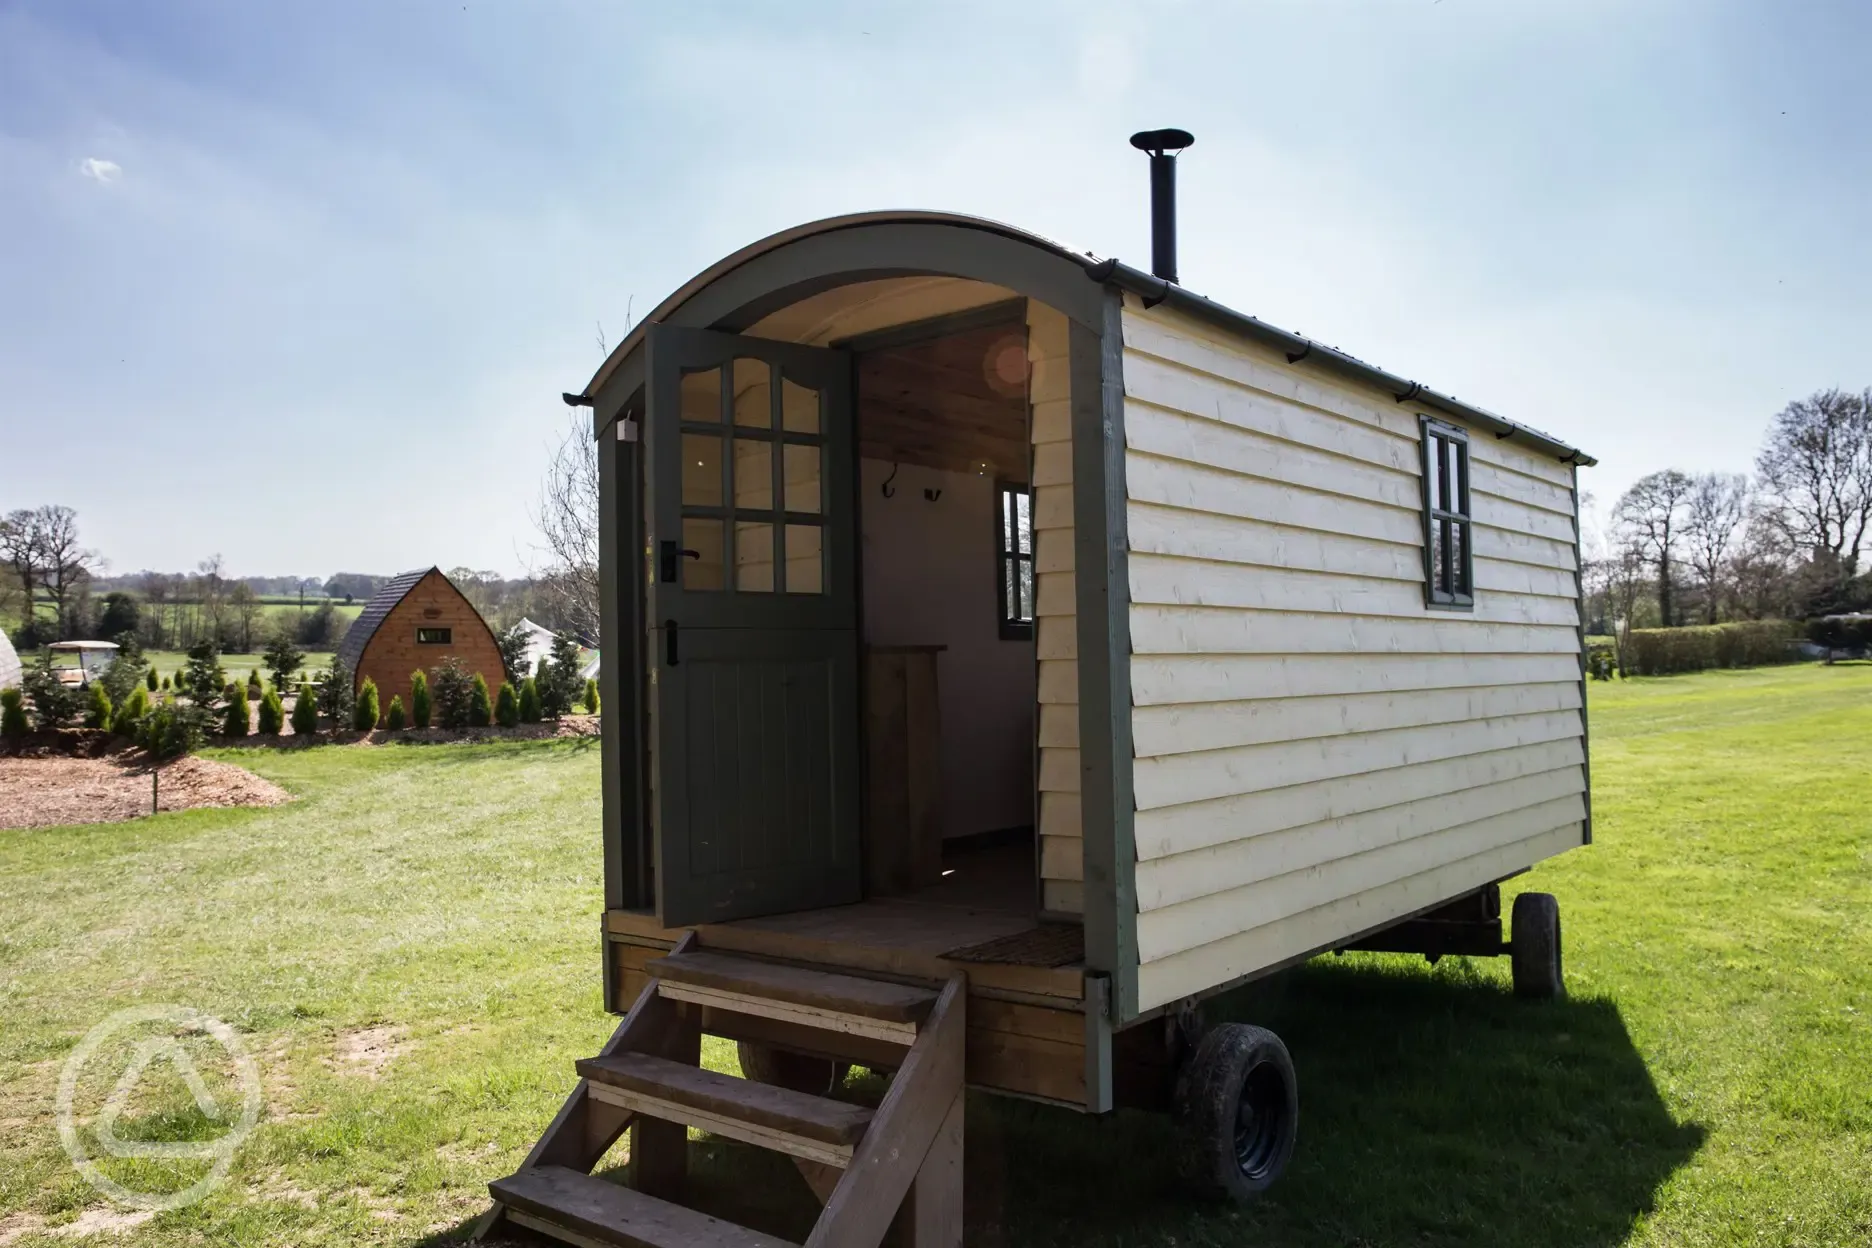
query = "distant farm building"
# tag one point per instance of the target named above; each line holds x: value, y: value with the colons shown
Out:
x: 414, y: 622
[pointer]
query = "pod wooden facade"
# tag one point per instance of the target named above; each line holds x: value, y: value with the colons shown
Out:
x: 1227, y: 648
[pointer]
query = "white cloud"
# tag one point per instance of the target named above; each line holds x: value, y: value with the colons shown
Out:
x: 99, y: 170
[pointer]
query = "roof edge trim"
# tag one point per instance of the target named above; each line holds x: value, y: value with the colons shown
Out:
x: 1155, y: 290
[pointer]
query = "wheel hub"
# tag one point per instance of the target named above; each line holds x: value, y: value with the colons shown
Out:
x: 1260, y: 1118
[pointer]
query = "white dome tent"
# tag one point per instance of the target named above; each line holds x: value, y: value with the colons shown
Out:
x: 9, y: 662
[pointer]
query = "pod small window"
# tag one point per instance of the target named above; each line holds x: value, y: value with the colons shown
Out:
x: 434, y: 636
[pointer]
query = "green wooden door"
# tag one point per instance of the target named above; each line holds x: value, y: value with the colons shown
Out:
x: 753, y: 622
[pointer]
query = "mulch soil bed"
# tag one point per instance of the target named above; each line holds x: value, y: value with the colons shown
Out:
x: 47, y: 788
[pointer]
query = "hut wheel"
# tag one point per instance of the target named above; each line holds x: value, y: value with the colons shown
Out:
x: 1237, y: 1111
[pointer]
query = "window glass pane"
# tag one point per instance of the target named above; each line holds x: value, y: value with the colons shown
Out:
x: 704, y: 537
x: 805, y: 559
x: 1026, y: 599
x: 802, y: 478
x: 799, y: 408
x: 1443, y: 581
x: 753, y: 474
x: 753, y: 394
x: 1446, y: 498
x: 1459, y: 489
x: 701, y: 396
x: 701, y: 470
x: 754, y: 557
x: 1459, y: 538
x: 1023, y: 520
x: 1433, y: 466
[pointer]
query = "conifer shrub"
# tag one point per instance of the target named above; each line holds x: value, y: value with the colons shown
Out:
x: 13, y: 723
x: 305, y: 713
x: 55, y: 704
x: 480, y: 705
x: 365, y: 712
x: 165, y: 680
x: 530, y: 712
x: 559, y: 682
x: 254, y: 686
x: 272, y: 713
x: 234, y: 722
x: 393, y: 717
x: 172, y: 730
x: 128, y: 718
x: 419, y: 699
x: 591, y: 695
x: 336, y: 699
x: 453, y: 690
x: 151, y: 681
x: 507, y: 706
x: 98, y: 707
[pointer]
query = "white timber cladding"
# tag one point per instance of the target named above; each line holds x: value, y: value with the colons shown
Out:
x: 1319, y: 753
x: 1062, y: 857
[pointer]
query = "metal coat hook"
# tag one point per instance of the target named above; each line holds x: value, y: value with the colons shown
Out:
x: 888, y: 491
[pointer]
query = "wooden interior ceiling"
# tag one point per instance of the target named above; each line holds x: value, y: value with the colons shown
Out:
x: 957, y: 403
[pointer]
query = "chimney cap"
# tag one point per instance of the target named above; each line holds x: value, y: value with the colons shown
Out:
x: 1157, y: 142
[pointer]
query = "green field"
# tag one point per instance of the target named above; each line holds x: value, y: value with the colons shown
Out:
x: 1705, y: 1084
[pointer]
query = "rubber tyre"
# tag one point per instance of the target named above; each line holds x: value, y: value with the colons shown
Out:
x: 1534, y: 947
x: 1237, y: 1113
x: 783, y: 1068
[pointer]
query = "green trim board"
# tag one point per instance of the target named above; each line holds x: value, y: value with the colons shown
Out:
x: 1095, y: 365
x: 1579, y: 590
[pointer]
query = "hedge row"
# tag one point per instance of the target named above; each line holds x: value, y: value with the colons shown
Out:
x: 1746, y: 643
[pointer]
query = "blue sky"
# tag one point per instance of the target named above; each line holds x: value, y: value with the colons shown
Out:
x: 300, y: 283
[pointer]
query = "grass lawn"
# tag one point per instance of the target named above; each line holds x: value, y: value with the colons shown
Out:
x: 411, y: 953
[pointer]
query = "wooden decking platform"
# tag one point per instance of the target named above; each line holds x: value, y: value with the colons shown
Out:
x: 1026, y: 1024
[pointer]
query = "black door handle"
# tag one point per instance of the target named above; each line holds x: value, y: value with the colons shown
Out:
x: 670, y: 632
x: 668, y: 553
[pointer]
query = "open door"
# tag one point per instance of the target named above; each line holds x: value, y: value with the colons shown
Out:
x: 753, y: 620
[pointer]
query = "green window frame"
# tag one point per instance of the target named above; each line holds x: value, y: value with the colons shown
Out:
x: 1448, y: 525
x: 1014, y: 560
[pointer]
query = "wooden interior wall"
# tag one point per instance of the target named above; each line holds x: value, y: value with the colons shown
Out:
x: 1062, y: 855
x: 957, y: 403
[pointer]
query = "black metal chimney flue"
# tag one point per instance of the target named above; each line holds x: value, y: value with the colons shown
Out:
x: 1163, y: 146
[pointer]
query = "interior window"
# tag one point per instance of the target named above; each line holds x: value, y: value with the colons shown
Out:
x: 1448, y: 564
x: 1014, y: 559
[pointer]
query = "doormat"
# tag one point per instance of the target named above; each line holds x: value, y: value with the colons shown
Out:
x: 1050, y: 944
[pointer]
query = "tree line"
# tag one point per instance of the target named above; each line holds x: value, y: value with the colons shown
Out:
x: 1782, y: 543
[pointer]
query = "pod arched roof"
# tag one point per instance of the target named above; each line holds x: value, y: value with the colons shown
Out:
x: 734, y: 291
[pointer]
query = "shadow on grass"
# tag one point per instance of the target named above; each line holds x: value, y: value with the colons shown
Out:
x: 1434, y: 1110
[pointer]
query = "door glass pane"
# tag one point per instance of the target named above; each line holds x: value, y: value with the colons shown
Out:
x: 802, y: 478
x: 703, y: 570
x: 799, y: 408
x: 805, y: 559
x: 754, y: 557
x: 701, y: 470
x: 753, y: 475
x: 701, y: 396
x: 753, y: 394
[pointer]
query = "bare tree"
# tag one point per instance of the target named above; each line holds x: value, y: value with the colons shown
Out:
x: 247, y: 609
x: 1650, y: 515
x: 1762, y: 584
x: 1817, y: 469
x: 212, y: 594
x: 1712, y: 523
x: 1615, y: 582
x: 567, y: 519
x: 19, y: 550
x: 157, y: 591
x: 64, y: 565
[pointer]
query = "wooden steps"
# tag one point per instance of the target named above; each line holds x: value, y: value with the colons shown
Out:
x: 900, y: 1164
x: 740, y: 1109
x: 794, y: 994
x: 579, y: 1209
